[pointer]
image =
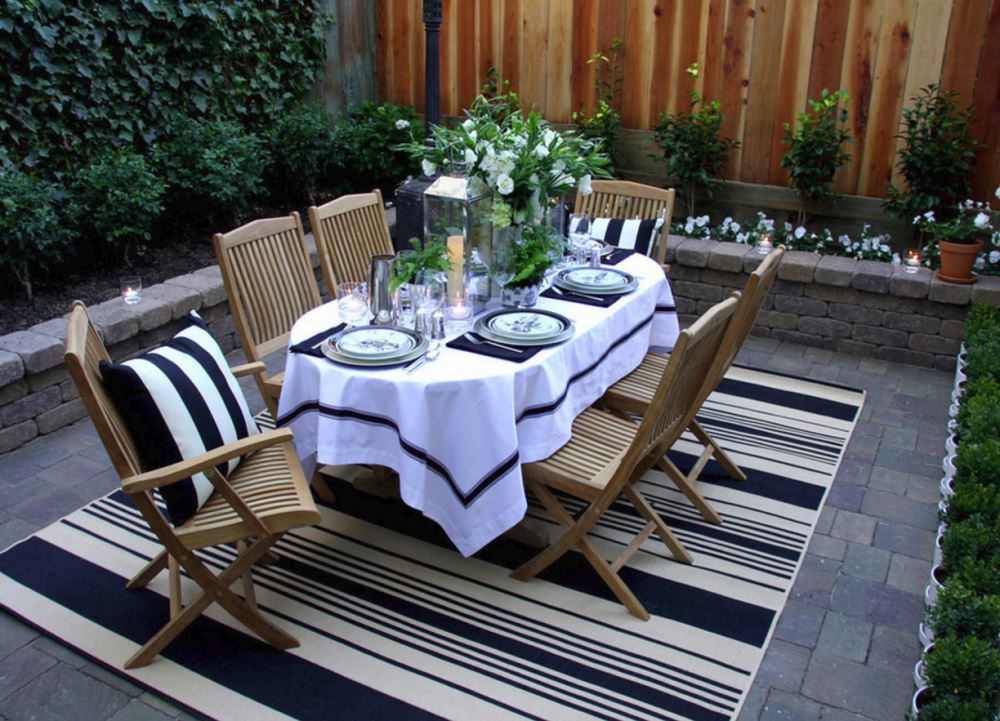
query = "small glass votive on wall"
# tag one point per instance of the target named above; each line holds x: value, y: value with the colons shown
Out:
x: 912, y: 262
x: 131, y: 288
x: 764, y: 244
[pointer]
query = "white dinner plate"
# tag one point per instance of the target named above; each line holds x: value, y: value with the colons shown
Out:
x: 603, y: 280
x: 525, y: 324
x: 376, y: 342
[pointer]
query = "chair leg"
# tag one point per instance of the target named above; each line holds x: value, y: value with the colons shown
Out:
x: 150, y: 571
x: 723, y: 458
x: 248, y: 592
x: 174, y: 583
x: 322, y: 488
x: 662, y: 529
x: 682, y: 482
x: 216, y: 589
x: 576, y: 530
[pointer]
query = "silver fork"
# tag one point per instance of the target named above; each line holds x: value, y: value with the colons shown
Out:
x: 476, y: 340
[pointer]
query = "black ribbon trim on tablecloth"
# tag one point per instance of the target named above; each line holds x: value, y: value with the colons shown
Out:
x: 421, y: 455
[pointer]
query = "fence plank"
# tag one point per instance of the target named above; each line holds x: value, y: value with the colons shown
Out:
x: 666, y: 78
x: 829, y: 47
x: 986, y: 176
x: 793, y: 83
x: 964, y: 47
x: 736, y: 75
x: 638, y: 62
x: 510, y: 59
x: 559, y: 59
x: 764, y: 75
x: 534, y: 39
x: 856, y: 77
x: 582, y: 75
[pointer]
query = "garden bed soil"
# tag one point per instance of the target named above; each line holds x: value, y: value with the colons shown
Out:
x: 54, y: 295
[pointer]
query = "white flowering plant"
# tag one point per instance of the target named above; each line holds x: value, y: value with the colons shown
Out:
x: 521, y: 159
x: 972, y: 222
x: 866, y: 247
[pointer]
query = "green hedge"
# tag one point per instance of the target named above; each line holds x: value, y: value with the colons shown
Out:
x: 83, y: 76
x: 963, y: 670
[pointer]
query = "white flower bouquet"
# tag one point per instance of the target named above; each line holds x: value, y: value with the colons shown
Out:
x: 522, y: 160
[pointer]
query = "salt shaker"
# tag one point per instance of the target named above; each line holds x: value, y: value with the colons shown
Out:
x: 437, y: 325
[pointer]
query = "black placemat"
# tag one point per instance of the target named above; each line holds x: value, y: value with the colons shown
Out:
x: 617, y: 256
x: 463, y: 343
x: 574, y: 298
x: 310, y: 346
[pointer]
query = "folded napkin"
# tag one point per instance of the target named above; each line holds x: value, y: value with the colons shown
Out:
x: 310, y: 346
x: 617, y: 256
x: 463, y: 343
x: 574, y: 298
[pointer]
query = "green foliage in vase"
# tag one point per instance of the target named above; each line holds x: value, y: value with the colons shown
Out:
x: 212, y: 168
x: 32, y: 236
x: 114, y: 203
x: 605, y: 120
x: 83, y: 77
x: 936, y: 155
x: 691, y: 145
x: 409, y: 264
x: 534, y: 254
x: 816, y: 148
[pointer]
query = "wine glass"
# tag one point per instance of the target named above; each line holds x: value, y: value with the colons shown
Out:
x: 504, y: 265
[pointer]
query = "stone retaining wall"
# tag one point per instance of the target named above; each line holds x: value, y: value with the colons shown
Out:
x: 860, y: 307
x: 863, y: 307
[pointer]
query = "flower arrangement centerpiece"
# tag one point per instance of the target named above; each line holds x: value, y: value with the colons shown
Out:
x: 519, y: 158
x: 960, y: 236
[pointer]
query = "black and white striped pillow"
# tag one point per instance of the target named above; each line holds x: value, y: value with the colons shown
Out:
x: 179, y: 401
x: 635, y: 235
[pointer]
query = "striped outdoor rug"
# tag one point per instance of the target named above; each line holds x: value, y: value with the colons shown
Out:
x: 396, y: 625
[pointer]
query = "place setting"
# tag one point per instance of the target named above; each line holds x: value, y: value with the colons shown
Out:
x: 597, y: 285
x: 515, y: 334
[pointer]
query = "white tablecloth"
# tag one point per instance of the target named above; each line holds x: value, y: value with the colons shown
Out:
x: 457, y: 429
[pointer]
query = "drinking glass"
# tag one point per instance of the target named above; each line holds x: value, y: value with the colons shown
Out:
x: 579, y: 236
x: 352, y: 301
x: 504, y: 265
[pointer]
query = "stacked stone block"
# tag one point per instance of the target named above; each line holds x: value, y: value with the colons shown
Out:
x: 863, y: 307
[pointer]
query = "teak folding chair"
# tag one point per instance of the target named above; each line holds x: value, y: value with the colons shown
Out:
x: 349, y: 231
x: 634, y: 393
x: 627, y: 200
x: 607, y: 455
x: 263, y: 498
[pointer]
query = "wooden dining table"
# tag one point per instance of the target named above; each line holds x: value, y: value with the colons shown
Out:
x: 458, y: 428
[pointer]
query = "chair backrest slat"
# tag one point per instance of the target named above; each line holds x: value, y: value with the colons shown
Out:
x: 269, y: 280
x: 349, y: 231
x: 84, y: 353
x: 627, y: 200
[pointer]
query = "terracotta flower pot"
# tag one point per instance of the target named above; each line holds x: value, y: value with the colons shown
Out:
x: 957, y: 260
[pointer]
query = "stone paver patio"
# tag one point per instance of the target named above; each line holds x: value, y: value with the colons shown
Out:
x: 843, y: 650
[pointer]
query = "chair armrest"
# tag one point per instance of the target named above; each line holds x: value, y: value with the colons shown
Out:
x: 182, y: 469
x: 248, y: 369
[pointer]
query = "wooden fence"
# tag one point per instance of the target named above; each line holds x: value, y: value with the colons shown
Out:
x: 761, y: 58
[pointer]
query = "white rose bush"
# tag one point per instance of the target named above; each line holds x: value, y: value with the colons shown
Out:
x: 521, y: 159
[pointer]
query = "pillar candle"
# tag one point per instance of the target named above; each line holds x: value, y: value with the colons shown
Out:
x: 456, y: 254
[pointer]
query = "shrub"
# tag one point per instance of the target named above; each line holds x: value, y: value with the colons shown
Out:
x: 936, y: 155
x: 961, y: 612
x: 979, y: 415
x: 966, y: 668
x: 979, y: 461
x: 982, y: 323
x: 691, y: 145
x: 983, y: 357
x: 114, y: 203
x: 973, y: 499
x: 970, y: 553
x: 950, y: 708
x: 81, y: 77
x: 372, y: 138
x: 303, y: 149
x: 32, y: 236
x: 815, y: 148
x: 212, y: 168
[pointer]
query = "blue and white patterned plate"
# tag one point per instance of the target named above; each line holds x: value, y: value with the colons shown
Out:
x: 525, y: 324
x: 602, y: 281
x: 371, y: 342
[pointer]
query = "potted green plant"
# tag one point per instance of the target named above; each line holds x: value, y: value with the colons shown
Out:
x: 959, y: 237
x: 526, y: 260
